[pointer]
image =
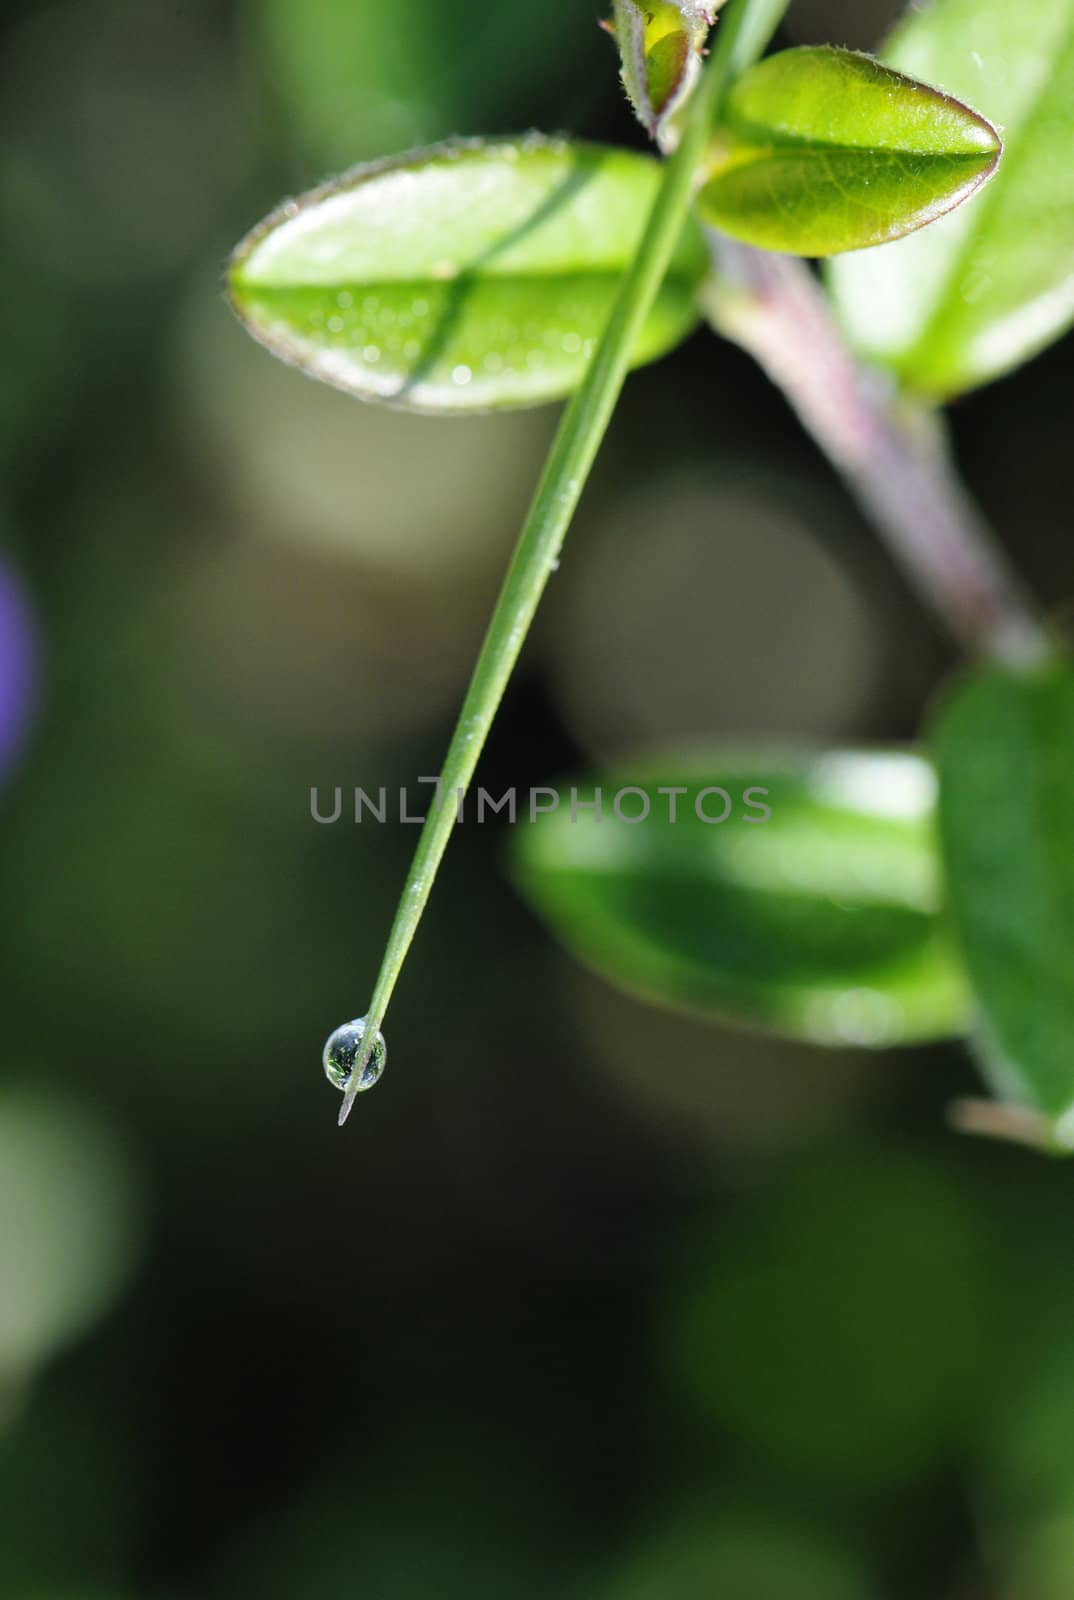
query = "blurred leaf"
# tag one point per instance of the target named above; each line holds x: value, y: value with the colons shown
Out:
x: 824, y: 150
x: 660, y: 45
x: 354, y: 79
x: 1042, y: 1561
x: 1033, y: 1466
x: 843, y: 1330
x: 357, y: 79
x: 465, y: 277
x: 741, y: 1558
x: 820, y: 923
x: 985, y: 290
x: 1003, y: 747
x: 67, y: 1226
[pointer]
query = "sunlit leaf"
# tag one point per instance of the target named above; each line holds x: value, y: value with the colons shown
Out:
x: 825, y: 150
x: 660, y: 44
x: 1004, y: 747
x: 984, y: 290
x: 465, y: 277
x: 818, y: 921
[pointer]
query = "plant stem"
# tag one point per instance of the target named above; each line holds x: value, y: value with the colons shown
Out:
x: 891, y: 453
x: 741, y: 36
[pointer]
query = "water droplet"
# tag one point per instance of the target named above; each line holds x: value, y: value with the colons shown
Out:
x: 461, y: 376
x: 341, y: 1051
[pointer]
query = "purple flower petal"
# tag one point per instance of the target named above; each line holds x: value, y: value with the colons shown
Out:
x: 17, y: 667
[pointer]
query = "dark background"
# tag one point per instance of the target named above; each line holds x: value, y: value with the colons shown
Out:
x: 587, y: 1300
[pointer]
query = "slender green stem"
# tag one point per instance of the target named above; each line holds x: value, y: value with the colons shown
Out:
x: 740, y: 38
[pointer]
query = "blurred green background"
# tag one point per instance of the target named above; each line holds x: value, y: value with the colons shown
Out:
x: 588, y: 1301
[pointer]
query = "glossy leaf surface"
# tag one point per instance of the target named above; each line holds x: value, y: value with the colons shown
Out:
x: 826, y: 150
x: 461, y: 278
x: 984, y: 290
x: 819, y: 922
x: 1005, y: 752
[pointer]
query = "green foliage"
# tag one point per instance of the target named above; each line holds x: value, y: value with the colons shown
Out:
x: 822, y: 151
x: 470, y: 276
x: 1003, y: 747
x: 427, y: 1358
x: 479, y: 274
x: 984, y: 290
x: 820, y: 922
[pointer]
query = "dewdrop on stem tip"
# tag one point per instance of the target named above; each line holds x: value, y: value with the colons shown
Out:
x: 348, y: 1051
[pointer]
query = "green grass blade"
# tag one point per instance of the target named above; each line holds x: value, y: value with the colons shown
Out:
x: 744, y: 32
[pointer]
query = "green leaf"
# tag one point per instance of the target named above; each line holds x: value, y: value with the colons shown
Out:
x: 461, y: 278
x: 820, y: 922
x: 1004, y: 744
x: 825, y: 150
x: 981, y: 292
x: 660, y: 44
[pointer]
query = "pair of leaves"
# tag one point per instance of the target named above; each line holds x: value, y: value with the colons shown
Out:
x: 858, y: 912
x: 812, y: 909
x: 982, y: 291
x: 478, y: 275
x: 972, y: 297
